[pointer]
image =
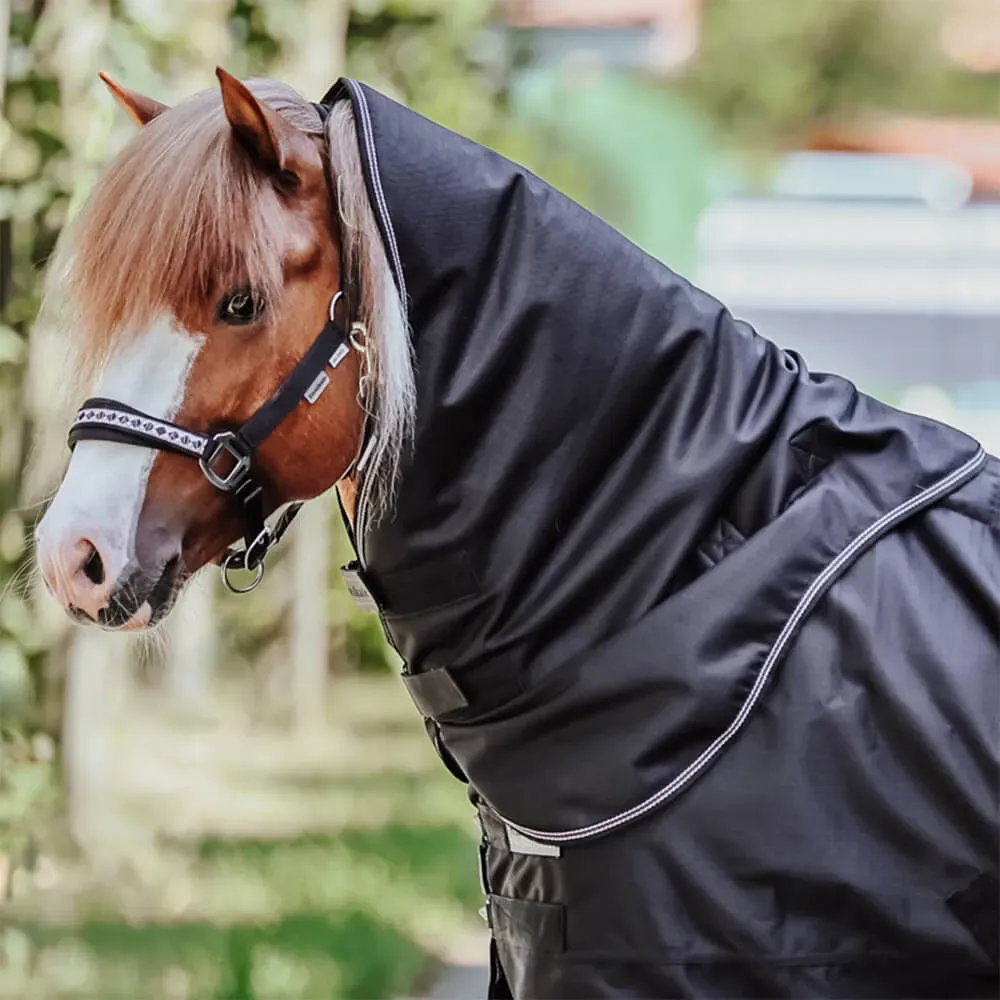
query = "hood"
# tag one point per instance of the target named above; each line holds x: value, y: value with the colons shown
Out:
x: 594, y: 437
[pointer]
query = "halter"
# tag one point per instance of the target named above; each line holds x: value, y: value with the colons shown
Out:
x: 226, y: 457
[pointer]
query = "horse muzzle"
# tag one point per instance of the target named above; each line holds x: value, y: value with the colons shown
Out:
x: 83, y: 579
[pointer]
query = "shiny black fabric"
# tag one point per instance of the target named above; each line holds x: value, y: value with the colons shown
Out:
x: 617, y: 508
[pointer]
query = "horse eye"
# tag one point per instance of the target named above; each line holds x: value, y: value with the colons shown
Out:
x: 240, y: 307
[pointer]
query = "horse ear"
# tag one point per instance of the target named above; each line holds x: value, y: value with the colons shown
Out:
x: 277, y: 145
x: 142, y: 110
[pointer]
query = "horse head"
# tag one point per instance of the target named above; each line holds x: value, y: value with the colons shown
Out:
x: 196, y: 286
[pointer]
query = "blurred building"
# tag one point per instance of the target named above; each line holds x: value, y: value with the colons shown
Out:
x: 973, y: 144
x: 970, y: 34
x: 970, y: 38
x: 659, y: 36
x: 872, y: 252
x: 663, y: 35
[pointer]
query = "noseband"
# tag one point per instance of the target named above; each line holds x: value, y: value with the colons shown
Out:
x: 226, y: 457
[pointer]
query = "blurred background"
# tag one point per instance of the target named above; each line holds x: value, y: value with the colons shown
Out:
x: 248, y: 807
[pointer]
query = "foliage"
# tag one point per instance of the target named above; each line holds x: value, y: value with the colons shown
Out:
x: 432, y: 56
x: 371, y: 871
x: 34, y: 193
x: 351, y: 911
x: 768, y: 70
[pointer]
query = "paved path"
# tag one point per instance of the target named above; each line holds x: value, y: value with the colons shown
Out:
x: 460, y: 982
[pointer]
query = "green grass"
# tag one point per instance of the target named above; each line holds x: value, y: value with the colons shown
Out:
x: 345, y: 915
x: 27, y: 791
x: 300, y: 957
x: 378, y: 879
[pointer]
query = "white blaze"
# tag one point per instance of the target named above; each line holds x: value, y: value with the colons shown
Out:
x: 102, y: 493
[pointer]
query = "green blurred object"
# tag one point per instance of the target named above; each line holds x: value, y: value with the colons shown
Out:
x: 15, y: 679
x: 650, y: 152
x: 769, y: 71
x: 361, y: 869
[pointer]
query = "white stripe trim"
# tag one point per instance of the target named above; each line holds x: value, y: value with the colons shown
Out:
x: 382, y: 207
x: 809, y: 599
x: 382, y: 210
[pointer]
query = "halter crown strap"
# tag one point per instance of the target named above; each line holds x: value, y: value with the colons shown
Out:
x: 323, y: 352
x: 226, y: 457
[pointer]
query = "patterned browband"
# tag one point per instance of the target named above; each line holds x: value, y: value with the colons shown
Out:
x: 107, y: 420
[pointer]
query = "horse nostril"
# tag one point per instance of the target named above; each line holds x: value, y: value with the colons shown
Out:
x: 93, y: 568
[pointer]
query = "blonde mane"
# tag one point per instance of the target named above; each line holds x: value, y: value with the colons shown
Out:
x: 181, y: 214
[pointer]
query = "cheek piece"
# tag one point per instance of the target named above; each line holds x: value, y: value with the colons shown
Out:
x: 226, y: 457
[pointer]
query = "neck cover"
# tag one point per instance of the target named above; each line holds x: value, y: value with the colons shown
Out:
x: 620, y: 501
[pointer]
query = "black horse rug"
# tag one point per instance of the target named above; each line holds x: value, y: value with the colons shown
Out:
x: 714, y: 639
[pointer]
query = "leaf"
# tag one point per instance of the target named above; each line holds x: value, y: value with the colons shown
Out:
x: 16, y: 618
x: 15, y: 678
x: 13, y: 348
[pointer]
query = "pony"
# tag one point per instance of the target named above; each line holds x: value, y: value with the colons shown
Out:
x: 194, y: 278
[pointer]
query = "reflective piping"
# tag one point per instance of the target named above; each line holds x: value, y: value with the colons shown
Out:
x: 382, y: 208
x: 362, y: 510
x: 809, y: 599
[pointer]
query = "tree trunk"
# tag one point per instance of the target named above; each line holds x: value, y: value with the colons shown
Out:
x: 310, y: 614
x: 4, y: 42
x: 96, y: 665
x: 310, y: 62
x: 192, y: 647
x: 192, y: 644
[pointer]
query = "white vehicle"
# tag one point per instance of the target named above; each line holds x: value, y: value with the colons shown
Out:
x: 876, y: 266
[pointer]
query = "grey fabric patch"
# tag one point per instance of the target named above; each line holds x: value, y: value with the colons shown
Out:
x: 520, y: 844
x: 522, y: 923
x: 434, y: 692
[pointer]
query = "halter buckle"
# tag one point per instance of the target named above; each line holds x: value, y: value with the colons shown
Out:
x: 225, y: 441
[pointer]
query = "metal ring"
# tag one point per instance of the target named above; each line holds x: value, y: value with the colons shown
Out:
x: 358, y: 336
x: 227, y: 568
x: 338, y: 295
